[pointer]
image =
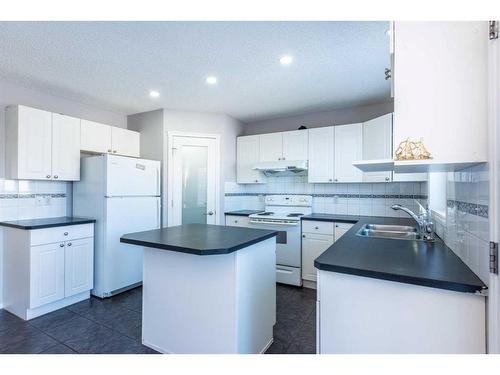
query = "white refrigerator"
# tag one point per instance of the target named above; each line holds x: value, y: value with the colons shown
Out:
x: 123, y: 195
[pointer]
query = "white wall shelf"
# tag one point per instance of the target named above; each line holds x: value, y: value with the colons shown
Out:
x: 413, y: 166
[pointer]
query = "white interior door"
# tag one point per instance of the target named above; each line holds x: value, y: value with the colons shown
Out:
x: 194, y: 177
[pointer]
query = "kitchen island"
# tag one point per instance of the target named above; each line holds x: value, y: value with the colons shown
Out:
x: 208, y: 288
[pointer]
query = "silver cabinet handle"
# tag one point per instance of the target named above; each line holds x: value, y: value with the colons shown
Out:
x: 48, y: 176
x: 65, y: 233
x: 256, y: 180
x: 61, y: 245
x: 56, y: 176
x: 109, y: 150
x: 336, y: 180
x: 210, y: 213
x: 69, y: 243
x: 387, y: 178
x: 330, y: 180
x: 303, y: 236
x: 236, y: 221
x: 336, y: 225
x: 316, y: 227
x: 114, y: 151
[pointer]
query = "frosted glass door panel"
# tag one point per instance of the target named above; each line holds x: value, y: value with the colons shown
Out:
x: 194, y: 184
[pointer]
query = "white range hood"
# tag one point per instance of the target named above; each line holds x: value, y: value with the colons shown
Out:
x: 282, y: 167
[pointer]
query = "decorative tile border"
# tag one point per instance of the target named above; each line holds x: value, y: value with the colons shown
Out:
x: 29, y: 195
x: 470, y: 208
x: 361, y: 196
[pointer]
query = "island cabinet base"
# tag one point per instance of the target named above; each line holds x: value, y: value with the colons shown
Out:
x: 366, y: 315
x: 210, y: 304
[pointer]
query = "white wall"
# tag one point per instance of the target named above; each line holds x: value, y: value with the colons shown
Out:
x: 318, y: 119
x: 13, y: 208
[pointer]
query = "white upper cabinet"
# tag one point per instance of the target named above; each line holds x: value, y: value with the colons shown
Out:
x: 248, y: 151
x: 28, y: 143
x: 290, y: 145
x: 295, y: 145
x: 42, y: 145
x: 321, y: 155
x: 95, y: 137
x: 271, y: 147
x: 125, y: 142
x: 441, y: 88
x: 102, y: 139
x: 377, y: 144
x: 348, y: 148
x: 65, y: 147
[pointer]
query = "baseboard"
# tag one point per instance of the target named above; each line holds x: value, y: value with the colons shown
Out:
x: 267, y: 346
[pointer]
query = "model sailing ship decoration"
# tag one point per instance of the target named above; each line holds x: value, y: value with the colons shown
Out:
x: 410, y: 150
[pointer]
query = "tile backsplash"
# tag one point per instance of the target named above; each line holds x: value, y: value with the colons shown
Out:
x: 466, y: 230
x: 370, y: 199
x: 32, y: 199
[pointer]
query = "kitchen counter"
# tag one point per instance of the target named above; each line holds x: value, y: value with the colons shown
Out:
x: 243, y: 212
x: 51, y: 222
x: 412, y: 262
x: 224, y: 303
x: 199, y: 239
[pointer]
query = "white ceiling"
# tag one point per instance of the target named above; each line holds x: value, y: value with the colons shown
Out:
x: 114, y: 64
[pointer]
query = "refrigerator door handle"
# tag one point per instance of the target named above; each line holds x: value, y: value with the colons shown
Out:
x: 158, y: 213
x: 158, y: 181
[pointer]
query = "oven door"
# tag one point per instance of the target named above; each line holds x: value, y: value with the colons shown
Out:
x: 288, y: 242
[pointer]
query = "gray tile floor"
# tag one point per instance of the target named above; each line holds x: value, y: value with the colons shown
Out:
x: 295, y: 329
x: 114, y: 326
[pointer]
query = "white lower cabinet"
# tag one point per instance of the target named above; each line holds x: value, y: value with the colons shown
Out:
x: 313, y: 245
x: 46, y: 274
x: 318, y: 236
x: 47, y: 269
x: 78, y: 266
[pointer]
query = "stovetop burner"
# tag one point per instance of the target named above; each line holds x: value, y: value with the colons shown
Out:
x: 266, y: 213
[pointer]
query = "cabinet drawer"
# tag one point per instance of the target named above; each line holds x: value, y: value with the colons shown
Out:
x: 58, y: 234
x: 320, y: 227
x: 237, y: 221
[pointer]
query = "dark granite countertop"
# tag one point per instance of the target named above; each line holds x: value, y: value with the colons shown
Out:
x: 199, y: 239
x: 412, y: 262
x: 46, y: 223
x: 243, y: 212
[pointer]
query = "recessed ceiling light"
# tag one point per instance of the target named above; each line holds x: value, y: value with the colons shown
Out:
x: 286, y: 60
x: 211, y: 80
x: 154, y: 94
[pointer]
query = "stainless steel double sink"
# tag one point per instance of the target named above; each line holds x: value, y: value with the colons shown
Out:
x: 397, y: 232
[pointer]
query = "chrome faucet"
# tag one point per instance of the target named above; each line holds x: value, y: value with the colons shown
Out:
x: 425, y: 225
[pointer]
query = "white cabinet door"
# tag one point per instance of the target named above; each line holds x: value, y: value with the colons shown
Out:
x: 79, y: 266
x: 95, y: 137
x: 247, y: 154
x: 65, y: 148
x: 32, y: 161
x: 341, y: 229
x: 295, y: 145
x: 271, y: 147
x: 125, y: 142
x: 313, y: 245
x: 46, y: 274
x: 237, y: 221
x: 441, y: 88
x: 348, y: 148
x: 377, y: 144
x: 321, y: 155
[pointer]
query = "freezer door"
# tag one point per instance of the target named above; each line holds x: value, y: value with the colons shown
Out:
x: 132, y: 177
x: 122, y: 262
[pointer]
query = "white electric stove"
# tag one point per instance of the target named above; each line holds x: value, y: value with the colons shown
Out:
x: 282, y: 213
